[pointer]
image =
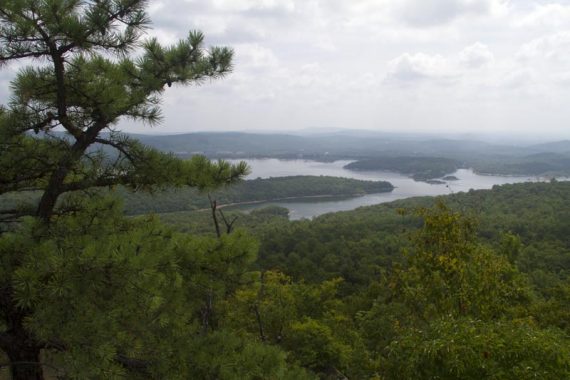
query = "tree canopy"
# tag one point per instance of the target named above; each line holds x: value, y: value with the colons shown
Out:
x: 86, y: 81
x: 378, y: 293
x: 85, y: 292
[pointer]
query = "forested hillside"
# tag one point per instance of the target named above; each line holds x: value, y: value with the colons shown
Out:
x: 538, y: 214
x: 172, y: 199
x: 553, y: 164
x: 343, y: 243
x: 416, y: 155
x: 470, y: 286
x: 256, y: 190
x: 463, y: 277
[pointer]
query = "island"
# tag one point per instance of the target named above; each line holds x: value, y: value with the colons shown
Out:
x: 419, y: 168
x: 251, y: 191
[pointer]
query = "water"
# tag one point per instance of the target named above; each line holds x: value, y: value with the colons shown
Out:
x: 405, y: 186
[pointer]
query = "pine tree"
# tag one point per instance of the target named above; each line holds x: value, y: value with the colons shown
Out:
x: 83, y: 290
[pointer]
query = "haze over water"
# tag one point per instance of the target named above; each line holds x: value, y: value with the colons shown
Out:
x: 405, y: 187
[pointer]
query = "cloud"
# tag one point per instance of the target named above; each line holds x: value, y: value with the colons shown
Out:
x: 222, y: 23
x: 308, y: 76
x: 256, y: 57
x: 563, y: 79
x: 410, y: 68
x: 553, y: 47
x: 257, y: 76
x: 4, y: 88
x: 365, y: 62
x: 551, y: 16
x: 266, y: 7
x: 435, y: 12
x: 476, y: 56
x: 518, y: 79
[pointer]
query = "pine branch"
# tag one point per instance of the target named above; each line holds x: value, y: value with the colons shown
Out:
x: 121, y: 147
x: 136, y: 365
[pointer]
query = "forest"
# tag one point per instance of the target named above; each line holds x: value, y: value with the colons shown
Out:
x: 171, y: 199
x: 552, y: 164
x: 472, y: 285
x: 251, y: 191
x: 478, y: 281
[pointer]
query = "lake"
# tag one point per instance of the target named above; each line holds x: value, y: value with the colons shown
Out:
x: 405, y: 186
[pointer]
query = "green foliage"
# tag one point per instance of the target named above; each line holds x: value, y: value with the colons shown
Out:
x: 449, y: 273
x: 271, y: 211
x: 315, y: 346
x: 251, y: 191
x: 84, y: 290
x: 223, y: 355
x: 473, y: 349
x: 356, y: 246
x: 88, y: 85
x: 303, y: 319
x: 448, y: 308
x: 554, y: 309
x: 138, y: 289
x: 167, y: 194
x: 90, y: 293
x: 456, y: 287
x: 269, y: 307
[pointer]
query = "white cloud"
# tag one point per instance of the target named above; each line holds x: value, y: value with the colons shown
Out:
x: 518, y: 79
x: 254, y: 56
x: 330, y: 61
x: 268, y: 6
x: 155, y: 7
x: 553, y: 47
x: 550, y: 16
x: 563, y: 79
x: 476, y: 56
x: 409, y: 68
x: 436, y: 12
x: 308, y: 76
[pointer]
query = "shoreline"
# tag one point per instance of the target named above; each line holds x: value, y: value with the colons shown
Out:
x: 409, y: 175
x: 324, y: 196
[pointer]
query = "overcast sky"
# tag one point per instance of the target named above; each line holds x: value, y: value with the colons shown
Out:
x: 393, y: 65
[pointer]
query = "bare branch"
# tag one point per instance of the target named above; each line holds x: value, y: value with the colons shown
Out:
x: 229, y: 224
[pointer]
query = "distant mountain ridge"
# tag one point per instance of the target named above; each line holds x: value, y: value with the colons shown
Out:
x: 552, y: 159
x: 338, y: 144
x: 553, y: 147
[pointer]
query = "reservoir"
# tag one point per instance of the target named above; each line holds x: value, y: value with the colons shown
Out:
x: 405, y: 187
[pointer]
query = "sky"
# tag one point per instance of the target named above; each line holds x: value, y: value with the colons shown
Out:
x: 453, y: 66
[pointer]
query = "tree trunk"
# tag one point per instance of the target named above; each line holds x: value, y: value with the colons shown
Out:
x: 53, y: 189
x: 25, y: 363
x: 19, y: 345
